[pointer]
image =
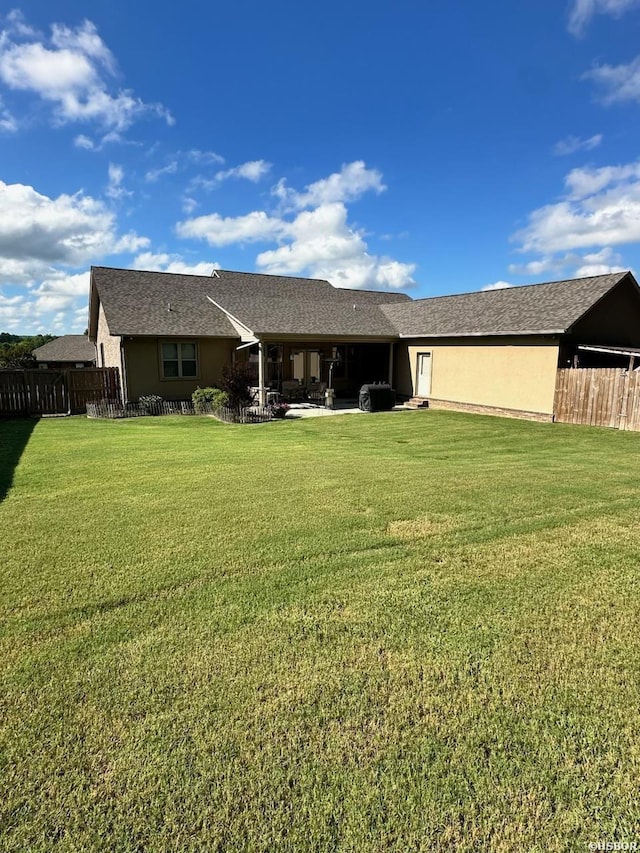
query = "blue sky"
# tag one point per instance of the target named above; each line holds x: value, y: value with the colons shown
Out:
x: 427, y: 147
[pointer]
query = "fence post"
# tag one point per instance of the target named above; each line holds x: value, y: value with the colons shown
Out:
x: 622, y: 415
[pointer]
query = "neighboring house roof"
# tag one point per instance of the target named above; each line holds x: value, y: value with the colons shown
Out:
x: 167, y: 304
x: 529, y: 309
x: 66, y: 348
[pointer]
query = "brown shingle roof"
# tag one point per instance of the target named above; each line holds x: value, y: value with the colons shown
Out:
x: 66, y: 348
x: 137, y: 303
x: 150, y: 303
x: 166, y: 304
x: 534, y: 309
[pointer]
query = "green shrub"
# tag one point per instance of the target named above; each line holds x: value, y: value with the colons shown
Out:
x: 206, y: 399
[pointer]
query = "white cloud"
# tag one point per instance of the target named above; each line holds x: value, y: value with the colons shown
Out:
x: 60, y: 292
x: 617, y: 83
x: 189, y: 204
x: 153, y: 174
x: 8, y: 123
x: 164, y: 262
x: 82, y: 141
x: 543, y: 266
x: 12, y: 311
x: 85, y: 41
x: 498, y: 285
x: 59, y: 283
x: 599, y: 263
x: 130, y: 242
x: 572, y: 144
x: 16, y: 24
x: 581, y: 183
x: 602, y: 209
x: 71, y: 72
x: 204, y: 157
x: 579, y: 265
x: 582, y: 11
x: 318, y: 242
x: 37, y: 232
x: 322, y: 245
x: 253, y: 170
x: 115, y: 189
x: 351, y: 182
x: 224, y: 230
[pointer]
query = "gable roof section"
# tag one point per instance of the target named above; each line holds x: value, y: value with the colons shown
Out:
x: 168, y: 304
x: 66, y: 348
x: 550, y: 308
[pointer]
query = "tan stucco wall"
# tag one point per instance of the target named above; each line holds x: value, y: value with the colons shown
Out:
x: 110, y: 345
x: 518, y: 374
x: 144, y: 370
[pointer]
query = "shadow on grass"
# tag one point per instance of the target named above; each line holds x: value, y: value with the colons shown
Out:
x: 14, y: 437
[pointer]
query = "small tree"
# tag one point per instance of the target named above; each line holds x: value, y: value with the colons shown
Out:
x: 236, y: 383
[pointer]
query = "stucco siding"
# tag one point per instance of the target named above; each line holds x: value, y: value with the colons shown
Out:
x: 108, y: 352
x: 143, y: 367
x: 516, y: 374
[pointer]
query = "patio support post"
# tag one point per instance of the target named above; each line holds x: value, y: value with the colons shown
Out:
x: 391, y: 364
x: 262, y: 397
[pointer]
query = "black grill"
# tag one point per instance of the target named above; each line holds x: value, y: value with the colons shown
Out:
x: 377, y: 398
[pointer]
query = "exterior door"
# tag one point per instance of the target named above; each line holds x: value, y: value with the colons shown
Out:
x: 423, y: 376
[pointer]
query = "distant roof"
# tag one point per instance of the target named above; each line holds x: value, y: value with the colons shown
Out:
x: 154, y: 303
x: 546, y: 308
x: 66, y: 348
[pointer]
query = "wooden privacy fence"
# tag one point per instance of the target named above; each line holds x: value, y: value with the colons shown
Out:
x: 597, y: 396
x: 55, y: 392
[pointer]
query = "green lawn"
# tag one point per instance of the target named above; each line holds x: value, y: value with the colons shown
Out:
x: 407, y: 631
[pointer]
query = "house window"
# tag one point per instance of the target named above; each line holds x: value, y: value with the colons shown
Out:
x: 179, y: 361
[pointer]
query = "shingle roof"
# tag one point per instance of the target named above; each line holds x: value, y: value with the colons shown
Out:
x: 149, y: 303
x: 137, y: 303
x: 166, y: 304
x: 534, y: 309
x: 338, y: 317
x: 66, y: 348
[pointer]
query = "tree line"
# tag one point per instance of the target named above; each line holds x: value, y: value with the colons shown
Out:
x: 17, y: 350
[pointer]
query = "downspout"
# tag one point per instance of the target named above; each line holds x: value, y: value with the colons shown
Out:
x: 391, y: 346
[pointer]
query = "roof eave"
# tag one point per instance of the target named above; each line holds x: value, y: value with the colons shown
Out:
x: 508, y: 334
x: 385, y: 337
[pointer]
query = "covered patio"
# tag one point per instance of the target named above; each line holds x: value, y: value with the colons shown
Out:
x: 302, y: 370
